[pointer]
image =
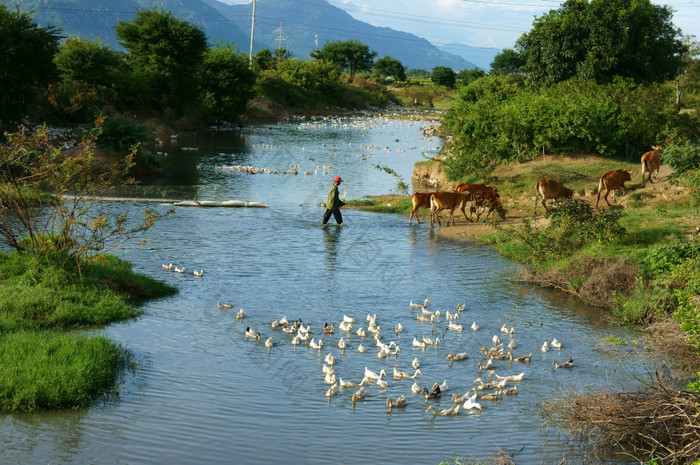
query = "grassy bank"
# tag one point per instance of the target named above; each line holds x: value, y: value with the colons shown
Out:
x: 42, y: 364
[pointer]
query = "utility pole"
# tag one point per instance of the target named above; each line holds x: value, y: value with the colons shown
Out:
x: 252, y: 34
x: 279, y: 47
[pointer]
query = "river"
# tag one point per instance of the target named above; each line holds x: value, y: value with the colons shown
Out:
x: 202, y: 392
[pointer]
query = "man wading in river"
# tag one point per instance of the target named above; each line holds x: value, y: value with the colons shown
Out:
x: 334, y: 203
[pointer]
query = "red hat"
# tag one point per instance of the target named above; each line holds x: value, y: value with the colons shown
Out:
x: 338, y: 179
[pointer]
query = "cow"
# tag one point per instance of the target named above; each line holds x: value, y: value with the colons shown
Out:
x: 490, y: 198
x: 612, y: 180
x: 651, y: 161
x: 447, y: 200
x: 551, y: 189
x: 473, y: 186
x: 420, y: 200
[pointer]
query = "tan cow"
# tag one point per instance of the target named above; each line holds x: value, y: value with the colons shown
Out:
x: 612, y: 180
x: 492, y: 199
x: 420, y: 200
x: 551, y: 189
x: 651, y: 161
x: 447, y: 201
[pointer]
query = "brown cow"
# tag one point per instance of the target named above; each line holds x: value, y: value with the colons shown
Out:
x: 447, y: 200
x: 551, y: 189
x: 651, y: 161
x: 420, y: 200
x: 612, y: 180
x: 490, y: 198
x: 473, y: 186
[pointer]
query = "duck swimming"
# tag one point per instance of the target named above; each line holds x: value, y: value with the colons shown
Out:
x: 361, y: 349
x: 240, y: 315
x: 556, y: 344
x: 474, y: 326
x: 328, y: 329
x: 400, y: 402
x: 415, y: 363
x: 454, y: 410
x: 252, y: 334
x: 223, y: 305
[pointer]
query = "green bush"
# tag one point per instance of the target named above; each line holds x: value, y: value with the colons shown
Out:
x: 682, y: 157
x: 120, y: 133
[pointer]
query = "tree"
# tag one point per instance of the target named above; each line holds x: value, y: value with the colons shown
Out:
x: 467, y: 76
x: 350, y: 56
x: 26, y: 62
x: 507, y: 62
x: 444, y: 76
x: 226, y: 82
x: 388, y: 66
x: 87, y: 61
x: 601, y: 39
x: 168, y: 52
x: 263, y: 60
x: 73, y: 227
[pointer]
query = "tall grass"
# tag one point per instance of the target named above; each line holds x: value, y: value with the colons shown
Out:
x: 44, y: 368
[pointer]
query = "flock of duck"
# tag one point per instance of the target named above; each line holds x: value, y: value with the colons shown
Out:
x: 368, y: 336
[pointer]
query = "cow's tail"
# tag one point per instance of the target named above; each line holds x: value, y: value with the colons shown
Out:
x: 433, y: 208
x: 645, y: 169
x: 600, y: 189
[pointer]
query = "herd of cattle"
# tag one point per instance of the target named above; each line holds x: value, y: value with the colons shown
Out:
x: 480, y: 196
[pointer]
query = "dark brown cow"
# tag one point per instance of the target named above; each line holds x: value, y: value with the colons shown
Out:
x: 420, y: 200
x: 612, y: 180
x: 488, y: 197
x: 651, y: 161
x: 551, y: 189
x: 447, y: 200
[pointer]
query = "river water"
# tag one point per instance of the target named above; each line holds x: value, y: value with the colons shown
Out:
x: 202, y: 392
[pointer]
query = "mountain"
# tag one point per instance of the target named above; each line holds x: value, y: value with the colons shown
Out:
x: 482, y: 57
x: 297, y: 26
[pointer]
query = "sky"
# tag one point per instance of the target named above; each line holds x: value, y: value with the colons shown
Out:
x: 477, y: 23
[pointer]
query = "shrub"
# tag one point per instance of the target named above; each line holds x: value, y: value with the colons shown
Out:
x: 121, y: 133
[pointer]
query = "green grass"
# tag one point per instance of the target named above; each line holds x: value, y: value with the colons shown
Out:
x: 42, y: 367
x: 383, y: 204
x: 48, y: 370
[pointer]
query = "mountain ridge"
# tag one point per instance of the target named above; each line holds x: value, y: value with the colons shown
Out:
x: 298, y: 26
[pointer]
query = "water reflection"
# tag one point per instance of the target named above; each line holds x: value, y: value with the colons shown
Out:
x: 331, y: 238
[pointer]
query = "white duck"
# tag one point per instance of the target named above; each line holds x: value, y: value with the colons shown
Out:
x: 475, y: 326
x: 357, y: 395
x: 180, y: 270
x: 504, y: 329
x: 545, y: 346
x: 454, y: 326
x: 333, y: 390
x: 372, y: 375
x: 472, y: 404
x: 454, y: 410
x: 240, y: 315
x: 314, y: 345
x: 329, y: 378
x: 417, y: 305
x: 555, y: 344
x: 330, y: 360
x: 415, y: 363
x: 199, y: 273
x: 250, y: 333
x: 269, y: 343
x: 361, y: 332
x: 456, y: 357
x: 415, y: 389
x: 348, y: 320
x: 361, y: 349
x: 418, y: 344
x: 518, y: 377
x: 380, y: 382
x: 398, y: 328
x: 341, y: 344
x: 347, y: 384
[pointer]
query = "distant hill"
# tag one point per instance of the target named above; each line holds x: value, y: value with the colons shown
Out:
x: 482, y: 57
x: 297, y: 26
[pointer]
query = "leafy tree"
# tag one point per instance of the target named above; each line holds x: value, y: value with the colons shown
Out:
x: 507, y: 62
x: 601, y: 39
x: 388, y: 66
x: 168, y: 52
x: 226, y: 82
x: 87, y: 61
x: 444, y: 76
x: 418, y: 73
x: 349, y: 55
x: 263, y: 60
x: 69, y: 229
x: 26, y: 61
x: 467, y: 76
